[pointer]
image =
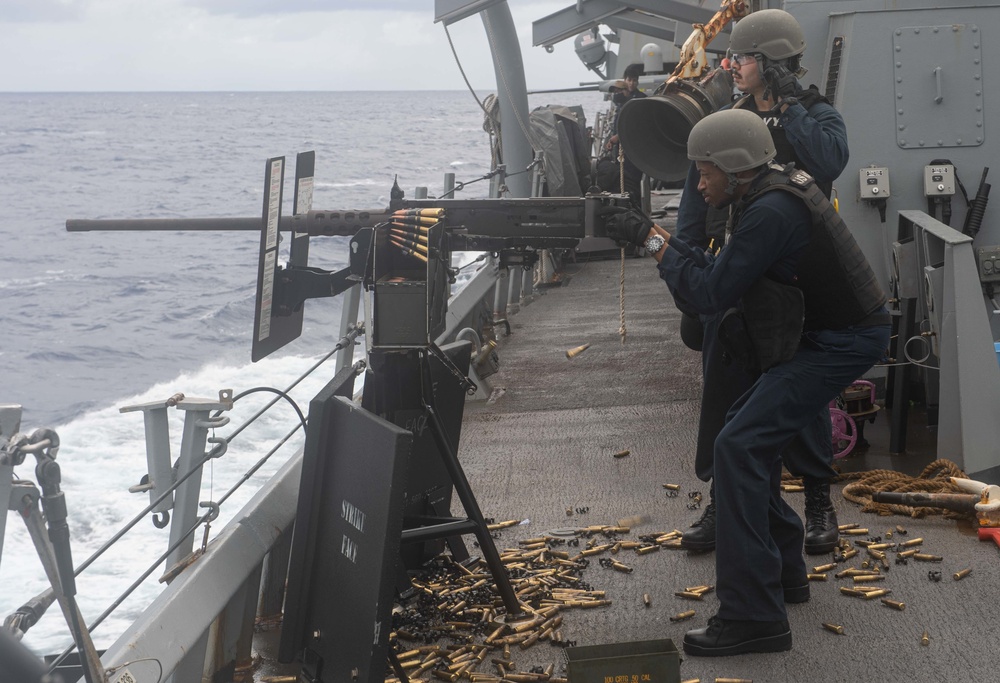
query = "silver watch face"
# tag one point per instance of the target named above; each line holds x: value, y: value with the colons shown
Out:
x: 653, y: 244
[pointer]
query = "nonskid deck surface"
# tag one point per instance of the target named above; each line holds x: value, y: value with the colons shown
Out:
x: 545, y: 445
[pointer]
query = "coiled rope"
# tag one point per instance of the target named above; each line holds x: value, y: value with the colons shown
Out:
x: 933, y: 479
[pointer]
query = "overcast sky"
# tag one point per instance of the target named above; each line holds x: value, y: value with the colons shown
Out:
x: 129, y: 45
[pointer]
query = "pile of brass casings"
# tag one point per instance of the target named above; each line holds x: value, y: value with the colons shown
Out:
x: 460, y: 603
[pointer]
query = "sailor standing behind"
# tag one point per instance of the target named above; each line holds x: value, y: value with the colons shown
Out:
x: 765, y: 49
x: 786, y: 232
x: 633, y: 176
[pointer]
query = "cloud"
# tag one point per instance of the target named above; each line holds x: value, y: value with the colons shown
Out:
x: 183, y: 45
x: 18, y: 11
x: 255, y: 8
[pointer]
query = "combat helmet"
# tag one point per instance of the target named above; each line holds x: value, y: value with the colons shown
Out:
x: 733, y: 139
x: 773, y: 33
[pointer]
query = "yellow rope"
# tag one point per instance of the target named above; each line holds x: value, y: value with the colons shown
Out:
x: 622, y: 331
x: 933, y: 479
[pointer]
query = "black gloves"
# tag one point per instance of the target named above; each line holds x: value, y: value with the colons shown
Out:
x: 626, y: 226
x: 781, y: 82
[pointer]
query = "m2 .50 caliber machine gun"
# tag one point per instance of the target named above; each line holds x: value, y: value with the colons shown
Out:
x: 376, y: 486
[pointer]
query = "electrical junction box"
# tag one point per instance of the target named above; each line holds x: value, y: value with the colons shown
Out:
x: 874, y: 182
x: 939, y: 180
x: 988, y: 263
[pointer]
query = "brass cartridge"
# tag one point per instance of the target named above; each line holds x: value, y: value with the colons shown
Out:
x: 900, y: 530
x: 853, y: 592
x: 908, y: 553
x: 868, y: 578
x: 816, y: 577
x: 792, y: 488
x: 834, y: 628
x: 880, y: 546
x: 733, y: 680
x: 855, y: 531
x: 681, y: 616
x: 690, y: 595
x: 912, y: 542
x: 691, y: 680
x: 924, y: 557
x: 646, y: 600
x: 845, y: 527
x: 849, y: 553
x: 824, y: 567
x: 925, y: 639
x: 647, y: 550
x: 672, y: 487
x: 577, y: 350
x: 621, y: 454
x: 871, y: 595
x: 894, y: 604
x: 959, y: 575
x: 704, y: 588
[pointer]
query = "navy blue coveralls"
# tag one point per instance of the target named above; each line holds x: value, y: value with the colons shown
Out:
x: 760, y: 536
x: 816, y: 140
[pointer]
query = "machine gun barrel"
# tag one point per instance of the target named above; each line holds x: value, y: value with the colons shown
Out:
x: 559, y: 217
x: 956, y: 502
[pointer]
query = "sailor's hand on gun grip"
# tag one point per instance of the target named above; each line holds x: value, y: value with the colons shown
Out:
x: 781, y: 82
x: 626, y: 226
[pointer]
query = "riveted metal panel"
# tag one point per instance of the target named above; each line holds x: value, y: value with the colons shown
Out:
x: 938, y: 80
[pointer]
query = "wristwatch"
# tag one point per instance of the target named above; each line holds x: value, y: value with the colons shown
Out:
x: 653, y: 243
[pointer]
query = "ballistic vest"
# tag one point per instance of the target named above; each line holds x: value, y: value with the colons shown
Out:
x: 836, y: 280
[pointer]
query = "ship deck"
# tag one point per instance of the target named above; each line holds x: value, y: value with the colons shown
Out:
x: 541, y: 450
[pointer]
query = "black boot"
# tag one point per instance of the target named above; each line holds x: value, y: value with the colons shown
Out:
x: 724, y: 637
x: 701, y: 536
x: 821, y: 519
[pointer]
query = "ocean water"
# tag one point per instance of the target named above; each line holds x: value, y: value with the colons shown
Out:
x: 91, y: 322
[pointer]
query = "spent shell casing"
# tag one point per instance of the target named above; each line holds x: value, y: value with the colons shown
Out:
x: 908, y: 553
x: 824, y: 568
x: 623, y: 453
x: 853, y: 592
x: 871, y: 595
x: 690, y: 595
x: 816, y: 577
x: 647, y: 549
x: 792, y: 488
x: 868, y: 578
x: 850, y: 552
x: 925, y: 639
x: 845, y: 527
x: 895, y: 604
x: 900, y: 530
x: 959, y: 575
x: 691, y: 680
x: 834, y: 628
x: 912, y: 542
x: 733, y: 680
x: 672, y: 487
x: 646, y: 600
x: 855, y: 531
x: 681, y: 616
x: 577, y: 350
x: 618, y: 566
x: 925, y: 557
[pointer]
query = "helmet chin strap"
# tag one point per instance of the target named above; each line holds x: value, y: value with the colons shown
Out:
x: 735, y: 182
